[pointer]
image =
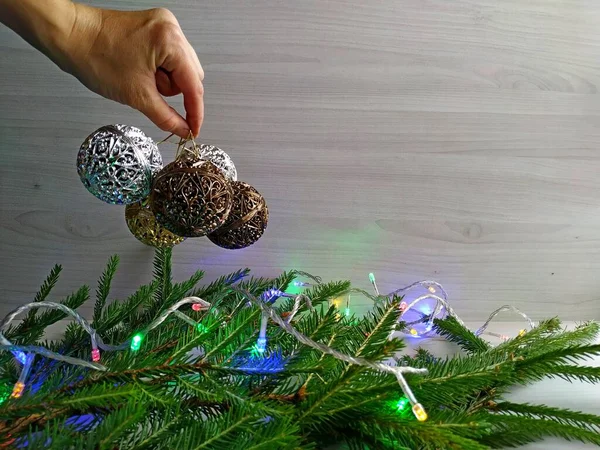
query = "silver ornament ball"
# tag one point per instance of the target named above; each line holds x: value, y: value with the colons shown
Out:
x: 116, y: 163
x: 220, y: 159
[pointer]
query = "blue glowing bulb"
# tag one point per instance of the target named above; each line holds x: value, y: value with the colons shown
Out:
x: 261, y: 345
x: 21, y: 357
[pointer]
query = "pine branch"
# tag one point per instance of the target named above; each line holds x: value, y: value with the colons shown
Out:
x: 115, y: 425
x: 511, y: 431
x: 29, y: 321
x: 455, y: 332
x: 206, y: 292
x: 560, y: 415
x: 162, y: 275
x: 104, y: 286
x: 576, y: 373
x: 544, y: 364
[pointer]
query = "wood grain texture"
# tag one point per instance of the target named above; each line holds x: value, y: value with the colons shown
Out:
x: 415, y: 139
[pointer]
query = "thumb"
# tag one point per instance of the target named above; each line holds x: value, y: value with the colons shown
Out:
x: 154, y: 106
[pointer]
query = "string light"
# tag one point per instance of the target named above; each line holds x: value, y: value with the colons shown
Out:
x: 18, y: 389
x: 201, y: 328
x: 522, y: 332
x: 373, y: 282
x: 261, y: 344
x: 441, y: 306
x: 419, y: 412
x: 136, y: 342
x: 19, y: 386
x: 402, y: 404
x: 95, y: 355
x: 21, y: 357
x: 398, y: 371
x: 5, y: 392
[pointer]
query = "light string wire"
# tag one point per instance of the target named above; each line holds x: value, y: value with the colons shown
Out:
x: 267, y: 312
x: 6, y: 345
x: 398, y: 371
x: 442, y: 303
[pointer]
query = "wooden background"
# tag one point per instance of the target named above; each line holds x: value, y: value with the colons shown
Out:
x: 453, y: 140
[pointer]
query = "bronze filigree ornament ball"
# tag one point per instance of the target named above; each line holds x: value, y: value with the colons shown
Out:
x: 143, y: 225
x: 247, y: 220
x: 116, y: 164
x: 191, y: 197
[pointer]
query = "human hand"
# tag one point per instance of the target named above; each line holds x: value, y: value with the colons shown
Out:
x: 133, y: 57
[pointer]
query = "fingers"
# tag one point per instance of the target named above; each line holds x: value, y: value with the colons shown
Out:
x: 154, y: 106
x: 187, y: 79
x: 165, y: 85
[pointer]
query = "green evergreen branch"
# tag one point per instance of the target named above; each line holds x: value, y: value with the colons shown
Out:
x: 513, y: 431
x: 189, y: 388
x: 455, y: 332
x: 206, y: 292
x: 104, y: 286
x: 114, y: 425
x: 18, y: 333
x: 560, y: 415
x: 162, y: 276
x: 543, y: 364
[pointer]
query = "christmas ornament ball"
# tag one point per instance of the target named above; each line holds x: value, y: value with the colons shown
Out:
x: 220, y: 159
x: 191, y: 197
x: 143, y: 225
x: 247, y: 220
x: 116, y: 164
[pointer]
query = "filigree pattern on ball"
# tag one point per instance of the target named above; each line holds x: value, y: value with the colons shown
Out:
x: 247, y: 220
x: 220, y: 159
x: 116, y: 164
x: 143, y: 225
x: 191, y: 197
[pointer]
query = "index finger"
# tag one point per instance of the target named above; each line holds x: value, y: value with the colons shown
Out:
x: 187, y: 79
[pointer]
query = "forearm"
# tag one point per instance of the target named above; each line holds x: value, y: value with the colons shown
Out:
x: 45, y: 24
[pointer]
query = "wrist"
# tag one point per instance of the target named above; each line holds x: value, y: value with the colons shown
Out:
x: 72, y: 34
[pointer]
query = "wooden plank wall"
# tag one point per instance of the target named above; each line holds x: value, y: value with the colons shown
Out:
x: 453, y: 140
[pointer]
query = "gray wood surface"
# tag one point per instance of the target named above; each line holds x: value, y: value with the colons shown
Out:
x: 453, y: 140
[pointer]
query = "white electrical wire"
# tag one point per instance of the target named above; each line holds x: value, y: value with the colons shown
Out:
x: 6, y: 345
x: 442, y: 304
x: 285, y: 324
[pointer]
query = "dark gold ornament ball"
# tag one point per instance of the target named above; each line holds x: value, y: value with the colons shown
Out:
x: 247, y: 220
x: 143, y: 225
x: 191, y: 197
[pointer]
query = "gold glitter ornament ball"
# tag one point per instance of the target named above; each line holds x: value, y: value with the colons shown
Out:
x: 191, y: 197
x: 143, y: 225
x: 247, y: 220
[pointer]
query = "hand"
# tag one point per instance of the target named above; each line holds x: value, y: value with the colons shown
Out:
x: 133, y: 57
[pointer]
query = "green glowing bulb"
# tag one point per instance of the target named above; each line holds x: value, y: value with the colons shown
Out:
x: 4, y: 393
x: 136, y: 341
x: 372, y: 277
x: 201, y: 328
x: 402, y: 404
x: 347, y: 312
